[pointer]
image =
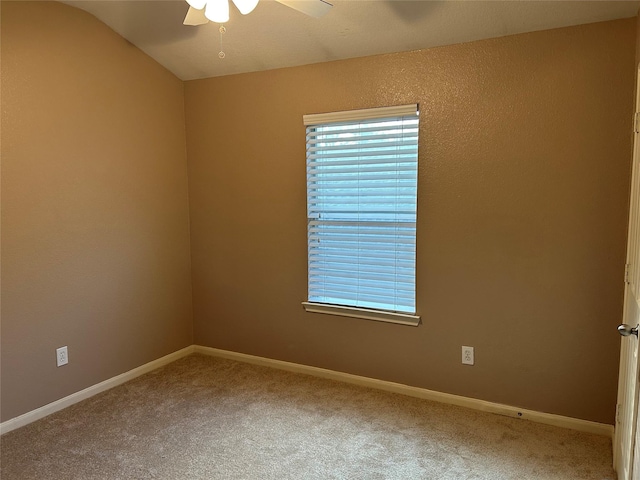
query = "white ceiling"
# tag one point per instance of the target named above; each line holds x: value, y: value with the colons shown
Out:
x: 275, y: 36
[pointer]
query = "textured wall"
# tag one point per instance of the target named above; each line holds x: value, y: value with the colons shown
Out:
x: 638, y: 39
x: 95, y: 233
x: 523, y: 187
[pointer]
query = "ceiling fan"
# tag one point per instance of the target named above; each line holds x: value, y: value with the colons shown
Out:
x: 203, y: 11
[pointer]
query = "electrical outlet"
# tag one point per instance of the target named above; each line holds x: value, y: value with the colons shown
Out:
x: 467, y: 355
x: 62, y: 356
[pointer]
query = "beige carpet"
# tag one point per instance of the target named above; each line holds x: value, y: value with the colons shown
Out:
x: 208, y: 418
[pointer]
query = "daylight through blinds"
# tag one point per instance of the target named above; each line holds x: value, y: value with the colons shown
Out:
x: 361, y: 204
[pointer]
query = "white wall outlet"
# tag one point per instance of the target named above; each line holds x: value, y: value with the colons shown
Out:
x: 467, y: 355
x: 62, y: 356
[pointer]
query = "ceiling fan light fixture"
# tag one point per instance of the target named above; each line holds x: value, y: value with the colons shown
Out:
x: 197, y: 4
x: 245, y: 6
x: 217, y: 11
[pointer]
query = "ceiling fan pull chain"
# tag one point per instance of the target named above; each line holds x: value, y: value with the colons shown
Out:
x: 223, y: 30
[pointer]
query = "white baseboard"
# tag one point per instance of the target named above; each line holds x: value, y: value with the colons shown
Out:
x: 475, y: 404
x: 53, y: 407
x: 539, y: 417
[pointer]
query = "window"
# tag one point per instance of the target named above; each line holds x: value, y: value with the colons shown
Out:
x: 362, y: 171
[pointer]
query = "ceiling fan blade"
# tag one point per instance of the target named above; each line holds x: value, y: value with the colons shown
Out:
x: 313, y: 8
x: 195, y: 17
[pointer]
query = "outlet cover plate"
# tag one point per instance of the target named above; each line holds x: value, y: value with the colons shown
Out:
x: 467, y: 356
x: 62, y: 356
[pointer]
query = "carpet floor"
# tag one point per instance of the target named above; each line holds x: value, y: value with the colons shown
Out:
x: 209, y: 418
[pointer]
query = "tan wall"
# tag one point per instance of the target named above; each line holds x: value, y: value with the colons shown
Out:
x: 523, y: 186
x: 95, y: 234
x: 638, y: 39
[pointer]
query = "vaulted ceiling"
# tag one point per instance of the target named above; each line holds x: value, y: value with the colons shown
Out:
x: 275, y: 36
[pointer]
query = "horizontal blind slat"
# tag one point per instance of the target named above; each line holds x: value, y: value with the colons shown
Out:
x: 348, y: 129
x: 366, y: 127
x: 361, y: 177
x: 338, y: 161
x: 349, y: 149
x: 359, y: 170
x: 365, y: 271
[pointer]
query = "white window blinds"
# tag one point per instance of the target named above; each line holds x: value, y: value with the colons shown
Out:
x: 361, y: 202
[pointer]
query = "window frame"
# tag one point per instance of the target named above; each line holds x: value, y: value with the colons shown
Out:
x: 410, y: 319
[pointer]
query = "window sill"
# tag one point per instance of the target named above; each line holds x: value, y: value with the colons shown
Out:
x: 376, y: 315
